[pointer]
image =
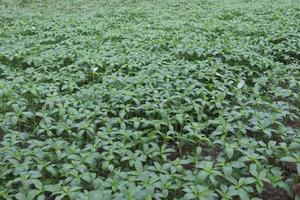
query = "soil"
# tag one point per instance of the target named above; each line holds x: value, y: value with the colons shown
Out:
x: 271, y: 193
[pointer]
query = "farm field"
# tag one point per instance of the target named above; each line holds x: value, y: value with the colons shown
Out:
x: 150, y: 99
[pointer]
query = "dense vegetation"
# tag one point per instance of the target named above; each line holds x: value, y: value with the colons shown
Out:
x: 150, y: 99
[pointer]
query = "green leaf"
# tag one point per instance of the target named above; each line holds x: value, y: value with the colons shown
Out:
x: 253, y: 170
x: 52, y: 188
x: 95, y: 194
x: 52, y: 170
x: 28, y: 114
x: 287, y: 159
x: 122, y: 114
x: 243, y: 195
x: 227, y: 171
x: 249, y: 180
x: 14, y: 120
x: 237, y: 164
x: 37, y: 183
x: 138, y: 166
x: 41, y: 197
x: 229, y: 152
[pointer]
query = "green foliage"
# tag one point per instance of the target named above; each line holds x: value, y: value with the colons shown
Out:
x: 149, y: 100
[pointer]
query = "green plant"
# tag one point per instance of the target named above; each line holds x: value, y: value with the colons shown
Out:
x: 149, y: 100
